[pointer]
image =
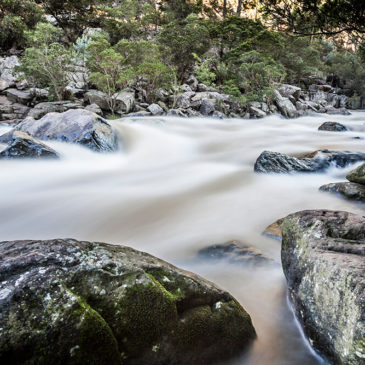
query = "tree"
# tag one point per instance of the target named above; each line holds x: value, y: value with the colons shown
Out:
x: 73, y: 16
x: 316, y: 16
x: 17, y: 16
x: 109, y: 71
x: 182, y: 39
x: 47, y: 62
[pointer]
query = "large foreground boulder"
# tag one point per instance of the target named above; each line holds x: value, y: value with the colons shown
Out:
x: 71, y: 302
x: 323, y: 257
x: 22, y: 145
x: 275, y: 162
x: 75, y: 126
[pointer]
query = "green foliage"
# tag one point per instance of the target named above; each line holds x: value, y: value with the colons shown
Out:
x: 182, y: 39
x: 47, y: 62
x: 116, y: 67
x: 203, y: 71
x: 17, y: 16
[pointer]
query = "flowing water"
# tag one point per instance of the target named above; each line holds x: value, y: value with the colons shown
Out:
x: 178, y: 185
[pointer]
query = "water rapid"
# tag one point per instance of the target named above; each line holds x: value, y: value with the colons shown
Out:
x: 178, y: 185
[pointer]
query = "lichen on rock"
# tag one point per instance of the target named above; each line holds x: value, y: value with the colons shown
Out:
x: 72, y: 302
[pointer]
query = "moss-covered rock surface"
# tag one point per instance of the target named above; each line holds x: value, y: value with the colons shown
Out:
x: 71, y: 302
x: 323, y: 257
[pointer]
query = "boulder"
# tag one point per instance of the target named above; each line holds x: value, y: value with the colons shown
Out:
x: 207, y: 107
x: 19, y: 96
x: 324, y: 264
x: 97, y: 97
x: 256, y: 112
x: 334, y: 111
x: 285, y: 106
x: 193, y: 82
x: 357, y: 175
x: 274, y: 162
x: 332, y: 127
x: 274, y: 230
x: 176, y: 113
x: 7, y: 69
x: 94, y: 109
x: 125, y: 102
x: 4, y: 85
x: 234, y: 252
x: 74, y: 126
x: 72, y: 302
x: 183, y: 100
x: 42, y: 109
x: 289, y: 90
x: 155, y: 109
x: 348, y: 190
x: 22, y: 145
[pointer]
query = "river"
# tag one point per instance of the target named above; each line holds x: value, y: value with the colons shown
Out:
x: 178, y: 185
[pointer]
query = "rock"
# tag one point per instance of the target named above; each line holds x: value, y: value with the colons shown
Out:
x: 142, y: 113
x: 183, y: 100
x: 332, y: 127
x: 72, y: 302
x: 4, y: 85
x: 155, y: 109
x: 202, y: 87
x: 274, y: 230
x: 357, y: 175
x: 285, y: 106
x: 42, y: 109
x: 348, y: 190
x: 94, y: 109
x: 323, y: 261
x: 7, y: 69
x: 125, y: 101
x: 256, y: 112
x: 18, y: 96
x: 97, y: 97
x: 334, y: 111
x: 40, y: 94
x: 22, y: 145
x: 176, y: 113
x: 207, y: 107
x: 289, y: 90
x: 275, y: 162
x: 74, y: 126
x: 234, y: 252
x: 185, y: 88
x: 193, y: 82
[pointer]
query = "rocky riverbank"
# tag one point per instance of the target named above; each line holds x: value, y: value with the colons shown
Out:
x: 18, y: 100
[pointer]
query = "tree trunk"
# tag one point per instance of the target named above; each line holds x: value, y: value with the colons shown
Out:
x: 224, y: 9
x: 239, y: 8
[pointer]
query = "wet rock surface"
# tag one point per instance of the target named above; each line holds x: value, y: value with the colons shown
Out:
x: 348, y: 190
x: 22, y: 145
x: 234, y: 252
x: 275, y: 162
x: 332, y: 127
x: 323, y: 257
x: 74, y: 126
x: 73, y: 302
x: 357, y: 175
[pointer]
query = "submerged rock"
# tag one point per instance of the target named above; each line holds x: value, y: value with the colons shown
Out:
x: 235, y: 253
x: 332, y: 127
x: 348, y: 190
x: 357, y: 175
x: 323, y: 257
x: 75, y: 126
x: 71, y: 302
x: 22, y: 145
x: 274, y: 162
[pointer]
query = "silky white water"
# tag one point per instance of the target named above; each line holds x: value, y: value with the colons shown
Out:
x: 178, y: 185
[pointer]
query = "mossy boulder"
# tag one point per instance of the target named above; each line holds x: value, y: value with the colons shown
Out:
x: 72, y: 302
x: 348, y: 190
x: 323, y: 257
x: 357, y: 175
